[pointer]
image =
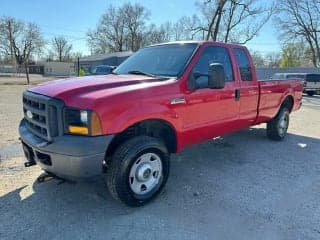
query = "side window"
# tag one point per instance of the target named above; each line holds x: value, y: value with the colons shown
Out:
x: 210, y: 55
x: 313, y: 78
x: 244, y: 64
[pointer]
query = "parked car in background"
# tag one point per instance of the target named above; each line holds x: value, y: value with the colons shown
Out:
x: 311, y: 81
x: 103, y: 70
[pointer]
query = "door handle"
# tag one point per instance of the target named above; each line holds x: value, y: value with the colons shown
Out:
x: 237, y: 94
x: 177, y: 101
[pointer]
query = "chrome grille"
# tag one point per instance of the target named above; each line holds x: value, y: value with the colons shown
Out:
x: 42, y: 115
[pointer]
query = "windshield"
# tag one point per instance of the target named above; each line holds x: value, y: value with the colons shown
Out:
x: 278, y: 76
x: 162, y: 60
x: 101, y: 69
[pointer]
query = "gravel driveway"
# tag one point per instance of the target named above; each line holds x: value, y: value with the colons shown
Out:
x: 241, y: 186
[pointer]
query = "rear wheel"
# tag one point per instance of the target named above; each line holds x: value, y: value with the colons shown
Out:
x: 278, y: 126
x: 310, y: 93
x: 138, y: 171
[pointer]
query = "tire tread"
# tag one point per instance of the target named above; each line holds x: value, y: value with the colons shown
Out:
x: 272, y: 128
x: 120, y: 158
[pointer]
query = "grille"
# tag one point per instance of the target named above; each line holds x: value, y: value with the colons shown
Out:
x: 42, y: 115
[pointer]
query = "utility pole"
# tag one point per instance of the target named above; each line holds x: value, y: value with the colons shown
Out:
x: 78, y: 65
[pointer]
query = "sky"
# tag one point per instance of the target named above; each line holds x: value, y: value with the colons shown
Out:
x: 72, y: 19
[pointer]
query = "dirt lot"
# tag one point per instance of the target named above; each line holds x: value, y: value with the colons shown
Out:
x: 20, y: 78
x: 242, y: 186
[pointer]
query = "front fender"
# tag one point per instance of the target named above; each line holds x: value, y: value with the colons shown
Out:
x: 140, y: 113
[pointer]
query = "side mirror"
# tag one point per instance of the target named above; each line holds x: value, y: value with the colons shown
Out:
x: 216, y: 76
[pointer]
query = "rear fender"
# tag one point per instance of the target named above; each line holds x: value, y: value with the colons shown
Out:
x: 288, y: 93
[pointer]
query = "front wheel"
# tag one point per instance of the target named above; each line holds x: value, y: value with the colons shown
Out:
x: 277, y: 128
x: 138, y: 171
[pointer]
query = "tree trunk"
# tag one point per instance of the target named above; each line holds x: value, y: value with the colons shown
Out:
x: 216, y: 29
x: 217, y: 14
x: 211, y: 24
x: 314, y: 55
x: 27, y: 71
x: 231, y: 12
x: 318, y: 52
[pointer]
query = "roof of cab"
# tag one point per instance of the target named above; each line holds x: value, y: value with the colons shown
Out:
x: 197, y: 42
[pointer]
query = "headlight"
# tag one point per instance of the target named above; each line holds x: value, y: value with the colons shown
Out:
x: 82, y: 122
x: 84, y: 117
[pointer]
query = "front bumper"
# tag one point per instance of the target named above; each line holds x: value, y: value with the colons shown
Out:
x: 68, y: 156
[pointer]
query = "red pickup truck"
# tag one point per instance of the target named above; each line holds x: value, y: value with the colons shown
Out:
x: 160, y: 100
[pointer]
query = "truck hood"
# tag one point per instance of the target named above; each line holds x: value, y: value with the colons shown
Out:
x: 66, y: 88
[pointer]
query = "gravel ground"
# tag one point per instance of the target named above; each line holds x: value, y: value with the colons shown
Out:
x: 241, y: 186
x: 21, y: 79
x: 10, y: 113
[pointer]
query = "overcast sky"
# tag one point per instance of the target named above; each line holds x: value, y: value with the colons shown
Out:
x: 72, y: 19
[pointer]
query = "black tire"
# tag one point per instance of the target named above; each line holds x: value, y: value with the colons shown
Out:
x: 127, y: 154
x: 310, y: 93
x: 275, y: 130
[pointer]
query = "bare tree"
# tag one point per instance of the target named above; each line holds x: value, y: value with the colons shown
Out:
x: 77, y: 55
x: 61, y: 49
x: 119, y: 29
x: 187, y: 28
x: 212, y: 11
x: 21, y: 40
x: 216, y: 20
x: 258, y: 58
x: 299, y: 20
x: 244, y: 19
x: 109, y: 34
x: 155, y: 34
x: 234, y: 20
x: 272, y: 59
x: 134, y: 17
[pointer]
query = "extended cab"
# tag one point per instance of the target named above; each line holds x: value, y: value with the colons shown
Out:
x: 160, y: 100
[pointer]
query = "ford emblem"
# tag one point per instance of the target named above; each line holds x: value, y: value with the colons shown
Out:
x: 29, y: 114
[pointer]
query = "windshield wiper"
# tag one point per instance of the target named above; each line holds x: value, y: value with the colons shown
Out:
x: 138, y: 72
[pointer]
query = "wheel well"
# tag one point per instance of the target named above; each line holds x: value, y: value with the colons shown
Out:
x: 288, y: 102
x: 153, y: 128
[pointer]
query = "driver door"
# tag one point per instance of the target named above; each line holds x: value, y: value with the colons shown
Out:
x: 212, y: 112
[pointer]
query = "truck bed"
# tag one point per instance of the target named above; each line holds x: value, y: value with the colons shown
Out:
x: 272, y: 93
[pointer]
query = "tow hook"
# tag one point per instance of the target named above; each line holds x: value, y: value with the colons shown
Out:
x: 49, y: 176
x: 29, y: 164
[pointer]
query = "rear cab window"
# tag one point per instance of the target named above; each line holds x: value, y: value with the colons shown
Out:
x: 243, y: 64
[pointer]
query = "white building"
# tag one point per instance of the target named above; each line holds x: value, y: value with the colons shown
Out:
x: 58, y: 69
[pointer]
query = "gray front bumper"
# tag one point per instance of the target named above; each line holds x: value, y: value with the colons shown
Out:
x: 71, y: 157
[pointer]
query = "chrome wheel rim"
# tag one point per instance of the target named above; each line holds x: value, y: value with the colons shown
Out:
x: 283, y: 124
x: 145, y: 173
